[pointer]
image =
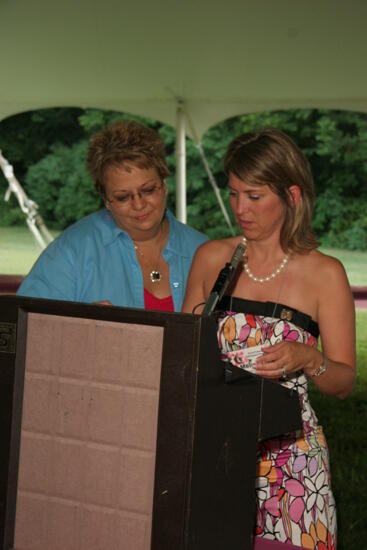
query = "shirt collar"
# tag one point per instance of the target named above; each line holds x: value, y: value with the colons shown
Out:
x: 110, y: 230
x: 173, y: 242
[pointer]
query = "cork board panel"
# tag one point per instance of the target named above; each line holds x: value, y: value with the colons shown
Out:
x: 88, y: 440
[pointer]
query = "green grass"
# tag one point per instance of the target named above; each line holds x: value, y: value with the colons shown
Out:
x: 345, y: 427
x: 361, y: 329
x: 19, y: 251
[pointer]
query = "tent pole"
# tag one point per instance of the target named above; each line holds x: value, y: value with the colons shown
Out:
x: 180, y: 165
x: 209, y: 173
x: 214, y: 186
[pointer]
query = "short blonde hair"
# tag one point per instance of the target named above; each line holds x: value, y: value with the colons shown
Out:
x: 125, y: 143
x: 270, y: 157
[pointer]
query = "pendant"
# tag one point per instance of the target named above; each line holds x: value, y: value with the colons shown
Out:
x: 155, y: 276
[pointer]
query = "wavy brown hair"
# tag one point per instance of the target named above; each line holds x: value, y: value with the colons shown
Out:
x: 270, y: 157
x: 124, y: 143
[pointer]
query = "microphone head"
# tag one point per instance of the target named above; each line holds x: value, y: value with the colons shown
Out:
x: 238, y: 255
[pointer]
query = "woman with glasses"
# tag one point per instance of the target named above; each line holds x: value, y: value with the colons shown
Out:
x: 133, y: 253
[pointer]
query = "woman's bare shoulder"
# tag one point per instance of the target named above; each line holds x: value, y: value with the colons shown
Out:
x: 323, y: 269
x: 325, y: 262
x: 317, y: 280
x: 217, y: 251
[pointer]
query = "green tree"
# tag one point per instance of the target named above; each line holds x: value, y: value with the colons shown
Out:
x: 48, y: 151
x: 25, y: 139
x: 60, y: 185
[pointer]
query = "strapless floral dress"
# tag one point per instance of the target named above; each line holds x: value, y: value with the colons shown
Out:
x: 295, y: 504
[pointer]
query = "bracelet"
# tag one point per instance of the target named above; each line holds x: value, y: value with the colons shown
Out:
x: 321, y: 369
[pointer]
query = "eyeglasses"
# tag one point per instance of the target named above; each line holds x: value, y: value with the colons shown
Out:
x: 126, y: 199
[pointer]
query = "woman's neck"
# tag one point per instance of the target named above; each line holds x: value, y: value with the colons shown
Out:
x: 155, y: 235
x: 264, y: 251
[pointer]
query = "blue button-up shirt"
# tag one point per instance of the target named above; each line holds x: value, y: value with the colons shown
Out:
x: 95, y: 260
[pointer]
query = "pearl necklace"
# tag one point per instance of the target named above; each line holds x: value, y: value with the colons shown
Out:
x: 268, y: 277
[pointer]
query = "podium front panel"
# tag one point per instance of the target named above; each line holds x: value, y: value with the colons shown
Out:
x: 88, y: 438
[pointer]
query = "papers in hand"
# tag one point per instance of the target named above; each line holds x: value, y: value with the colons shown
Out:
x: 245, y: 358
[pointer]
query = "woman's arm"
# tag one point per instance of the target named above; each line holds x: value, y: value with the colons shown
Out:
x: 209, y: 259
x: 195, y: 289
x: 336, y: 319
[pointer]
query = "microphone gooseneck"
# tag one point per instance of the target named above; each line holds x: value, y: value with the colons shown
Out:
x: 224, y: 278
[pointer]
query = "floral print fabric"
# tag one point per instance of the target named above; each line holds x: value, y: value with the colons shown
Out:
x: 295, y: 503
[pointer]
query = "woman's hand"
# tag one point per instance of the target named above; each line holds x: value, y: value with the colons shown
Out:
x: 286, y: 358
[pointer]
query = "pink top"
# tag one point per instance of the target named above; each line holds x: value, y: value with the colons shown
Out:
x: 160, y: 304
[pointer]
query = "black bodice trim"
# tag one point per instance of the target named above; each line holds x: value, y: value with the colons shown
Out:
x: 269, y: 309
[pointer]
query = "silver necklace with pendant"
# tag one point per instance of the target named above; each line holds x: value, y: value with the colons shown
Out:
x: 155, y: 275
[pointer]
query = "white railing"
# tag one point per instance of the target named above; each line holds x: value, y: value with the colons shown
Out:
x: 28, y: 207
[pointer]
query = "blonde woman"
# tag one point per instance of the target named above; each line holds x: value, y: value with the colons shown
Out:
x: 286, y: 295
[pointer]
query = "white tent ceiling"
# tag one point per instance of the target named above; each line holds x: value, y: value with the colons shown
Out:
x: 222, y: 58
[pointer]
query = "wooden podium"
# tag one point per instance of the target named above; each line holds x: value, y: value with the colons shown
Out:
x: 119, y: 431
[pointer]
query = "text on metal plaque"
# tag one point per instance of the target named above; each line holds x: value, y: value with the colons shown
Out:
x: 7, y: 337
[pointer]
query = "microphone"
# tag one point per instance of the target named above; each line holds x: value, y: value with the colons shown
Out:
x: 224, y: 278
